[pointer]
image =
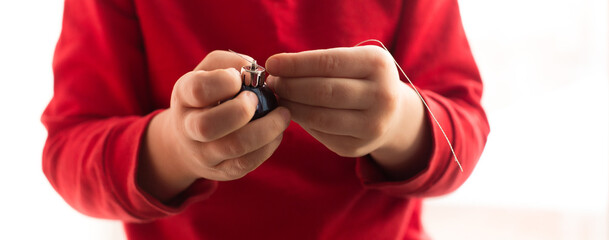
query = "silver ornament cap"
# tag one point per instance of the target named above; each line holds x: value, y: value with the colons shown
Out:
x: 253, y: 75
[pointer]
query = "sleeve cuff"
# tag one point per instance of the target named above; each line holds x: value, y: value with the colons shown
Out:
x: 197, y: 191
x: 126, y: 141
x: 423, y: 183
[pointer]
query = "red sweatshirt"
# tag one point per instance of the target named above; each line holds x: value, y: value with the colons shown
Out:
x: 117, y: 60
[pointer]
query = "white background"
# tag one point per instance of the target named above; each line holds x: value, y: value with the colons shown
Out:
x: 545, y: 170
x: 544, y: 173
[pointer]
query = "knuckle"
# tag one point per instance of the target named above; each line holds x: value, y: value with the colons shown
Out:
x: 227, y: 79
x: 199, y: 74
x: 197, y: 92
x: 225, y: 73
x: 275, y: 143
x: 328, y: 62
x: 380, y: 58
x: 376, y: 129
x: 182, y: 84
x: 376, y: 49
x: 277, y: 125
x: 234, y: 148
x: 235, y: 170
x: 194, y: 88
x: 176, y: 98
x: 204, y: 130
x: 232, y: 174
x: 325, y: 91
x: 198, y: 127
x: 242, y: 165
x: 386, y: 98
x: 201, y: 155
x: 215, y: 54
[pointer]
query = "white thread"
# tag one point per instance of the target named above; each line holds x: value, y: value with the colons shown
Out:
x: 253, y: 61
x: 419, y: 94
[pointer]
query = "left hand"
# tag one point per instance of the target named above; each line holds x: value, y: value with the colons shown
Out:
x: 353, y: 102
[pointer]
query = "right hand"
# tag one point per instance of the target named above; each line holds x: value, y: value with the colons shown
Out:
x: 197, y: 138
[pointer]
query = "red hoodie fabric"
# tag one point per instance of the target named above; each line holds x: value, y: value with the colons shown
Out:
x: 117, y: 60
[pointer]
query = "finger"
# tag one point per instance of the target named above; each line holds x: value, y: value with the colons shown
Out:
x: 252, y: 136
x: 339, y: 93
x: 213, y: 123
x: 345, y: 146
x: 355, y: 62
x: 198, y: 89
x: 223, y: 59
x: 238, y: 167
x: 328, y: 120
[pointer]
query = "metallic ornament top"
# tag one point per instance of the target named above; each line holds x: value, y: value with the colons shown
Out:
x: 253, y: 75
x: 252, y: 78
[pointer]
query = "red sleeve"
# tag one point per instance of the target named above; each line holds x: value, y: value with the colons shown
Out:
x: 432, y: 48
x: 99, y: 113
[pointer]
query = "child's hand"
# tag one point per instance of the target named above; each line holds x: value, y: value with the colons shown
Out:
x: 352, y: 101
x: 197, y: 138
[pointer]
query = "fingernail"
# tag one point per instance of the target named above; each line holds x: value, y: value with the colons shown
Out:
x: 252, y: 96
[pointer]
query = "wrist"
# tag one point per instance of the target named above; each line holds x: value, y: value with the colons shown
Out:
x: 406, y: 151
x: 160, y: 171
